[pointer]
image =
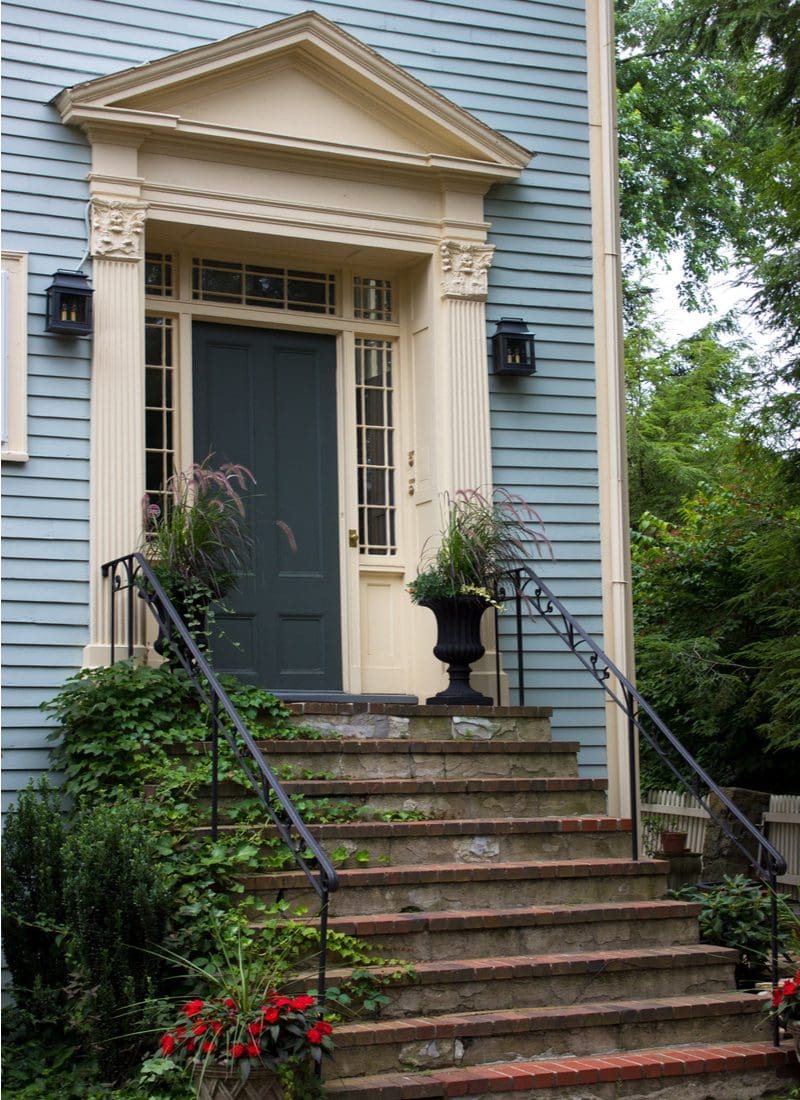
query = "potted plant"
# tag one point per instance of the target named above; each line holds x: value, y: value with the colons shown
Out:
x: 200, y: 542
x: 240, y: 1035
x: 482, y: 539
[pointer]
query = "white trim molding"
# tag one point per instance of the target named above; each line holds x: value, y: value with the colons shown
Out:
x: 15, y: 356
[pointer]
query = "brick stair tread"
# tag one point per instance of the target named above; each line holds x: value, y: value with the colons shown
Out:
x: 538, y: 915
x: 325, y: 788
x: 415, y: 710
x: 649, y: 1063
x: 611, y: 960
x: 470, y: 872
x: 484, y: 826
x: 395, y: 746
x: 545, y: 1018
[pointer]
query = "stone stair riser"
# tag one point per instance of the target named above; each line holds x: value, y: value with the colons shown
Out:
x: 429, y: 728
x: 446, y: 945
x: 458, y: 805
x: 466, y: 894
x: 479, y: 995
x: 481, y: 848
x: 470, y: 1047
x: 429, y: 765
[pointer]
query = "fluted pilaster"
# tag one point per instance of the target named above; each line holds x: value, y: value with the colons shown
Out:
x: 117, y: 400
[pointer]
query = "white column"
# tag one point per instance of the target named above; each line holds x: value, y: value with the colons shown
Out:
x: 465, y: 265
x: 117, y: 449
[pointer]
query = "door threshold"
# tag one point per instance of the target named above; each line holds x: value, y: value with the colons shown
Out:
x: 343, y: 697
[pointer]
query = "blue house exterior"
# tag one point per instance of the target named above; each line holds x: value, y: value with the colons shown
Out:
x: 391, y: 184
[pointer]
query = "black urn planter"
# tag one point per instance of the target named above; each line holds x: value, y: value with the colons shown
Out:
x: 458, y: 644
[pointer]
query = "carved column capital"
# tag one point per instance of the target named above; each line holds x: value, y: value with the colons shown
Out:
x: 117, y: 229
x: 465, y: 265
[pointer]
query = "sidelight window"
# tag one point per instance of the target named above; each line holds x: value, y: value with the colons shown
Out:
x: 159, y: 387
x: 377, y: 506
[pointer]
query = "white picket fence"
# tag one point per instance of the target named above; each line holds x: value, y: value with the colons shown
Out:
x: 682, y: 812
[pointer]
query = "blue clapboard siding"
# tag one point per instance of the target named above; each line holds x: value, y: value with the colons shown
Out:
x: 518, y: 65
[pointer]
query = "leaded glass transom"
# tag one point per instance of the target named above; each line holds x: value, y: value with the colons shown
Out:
x: 372, y: 299
x: 268, y: 287
x: 158, y: 273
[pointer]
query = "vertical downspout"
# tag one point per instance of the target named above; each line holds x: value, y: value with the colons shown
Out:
x: 607, y: 282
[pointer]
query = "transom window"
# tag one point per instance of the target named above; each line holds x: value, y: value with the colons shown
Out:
x: 372, y: 299
x: 377, y: 507
x: 269, y: 287
x: 158, y: 273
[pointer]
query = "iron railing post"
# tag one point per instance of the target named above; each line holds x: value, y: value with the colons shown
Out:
x: 214, y: 768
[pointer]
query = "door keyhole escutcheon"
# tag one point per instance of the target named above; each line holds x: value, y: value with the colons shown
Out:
x: 352, y: 537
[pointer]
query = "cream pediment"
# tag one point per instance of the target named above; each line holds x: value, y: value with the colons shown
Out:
x: 298, y: 85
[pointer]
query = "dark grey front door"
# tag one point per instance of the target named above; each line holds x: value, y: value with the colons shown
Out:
x: 267, y: 399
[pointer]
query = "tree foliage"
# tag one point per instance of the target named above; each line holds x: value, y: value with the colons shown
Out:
x: 709, y: 106
x: 717, y: 612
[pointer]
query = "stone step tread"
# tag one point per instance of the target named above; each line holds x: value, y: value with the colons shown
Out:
x: 500, y: 968
x: 544, y: 1018
x: 470, y: 872
x: 649, y: 1064
x: 456, y: 827
x: 458, y: 920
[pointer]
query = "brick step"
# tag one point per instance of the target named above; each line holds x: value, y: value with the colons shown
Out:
x: 474, y: 1038
x: 477, y: 841
x: 723, y: 1071
x: 581, y: 927
x: 464, y: 798
x: 406, y: 759
x: 465, y: 886
x: 480, y: 984
x: 382, y: 720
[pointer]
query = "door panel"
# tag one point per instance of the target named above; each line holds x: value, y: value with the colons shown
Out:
x: 267, y: 399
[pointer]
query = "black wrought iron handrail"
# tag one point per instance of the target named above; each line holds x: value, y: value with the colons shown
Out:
x: 133, y: 575
x: 764, y: 860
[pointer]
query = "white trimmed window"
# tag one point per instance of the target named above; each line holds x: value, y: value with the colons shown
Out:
x: 15, y: 356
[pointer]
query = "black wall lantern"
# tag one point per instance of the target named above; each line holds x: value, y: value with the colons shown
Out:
x: 512, y: 347
x: 69, y: 304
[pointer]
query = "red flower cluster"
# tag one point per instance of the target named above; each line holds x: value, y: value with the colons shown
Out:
x: 278, y: 1030
x: 786, y: 1000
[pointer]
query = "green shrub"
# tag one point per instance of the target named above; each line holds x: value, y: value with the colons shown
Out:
x: 118, y: 902
x: 33, y: 909
x: 737, y: 913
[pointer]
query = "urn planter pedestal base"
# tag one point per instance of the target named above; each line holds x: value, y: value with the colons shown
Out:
x: 458, y: 644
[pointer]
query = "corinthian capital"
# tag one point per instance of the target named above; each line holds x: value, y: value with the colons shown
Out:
x: 117, y: 229
x: 464, y: 269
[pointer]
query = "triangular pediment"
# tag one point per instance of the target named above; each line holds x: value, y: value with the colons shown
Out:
x: 301, y: 84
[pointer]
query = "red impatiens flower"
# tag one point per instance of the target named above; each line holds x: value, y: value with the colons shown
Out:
x: 253, y: 1049
x: 314, y: 1035
x: 301, y: 1003
x: 193, y: 1007
x: 208, y: 1047
x: 324, y: 1027
x: 237, y: 1050
x: 200, y: 1029
x: 271, y: 1014
x: 167, y: 1044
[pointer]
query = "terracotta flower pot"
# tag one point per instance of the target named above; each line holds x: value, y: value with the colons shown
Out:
x: 673, y: 843
x: 221, y: 1083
